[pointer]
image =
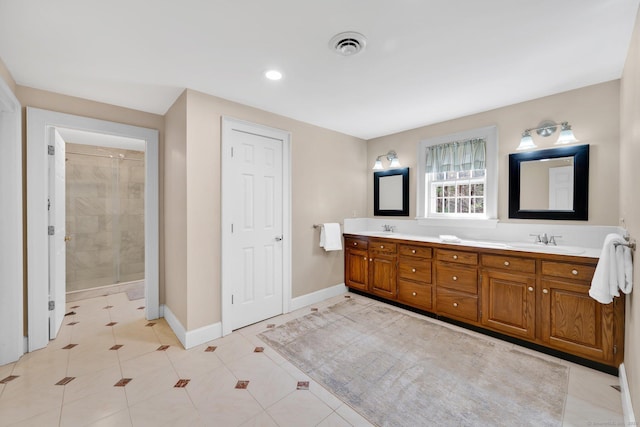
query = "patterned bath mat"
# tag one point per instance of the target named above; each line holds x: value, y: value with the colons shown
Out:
x: 399, y: 370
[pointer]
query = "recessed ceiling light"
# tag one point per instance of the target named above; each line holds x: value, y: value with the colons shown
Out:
x: 273, y: 75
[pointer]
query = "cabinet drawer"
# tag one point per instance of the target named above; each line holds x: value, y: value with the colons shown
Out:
x: 522, y: 265
x: 415, y: 269
x: 568, y: 270
x: 383, y: 246
x: 415, y: 295
x: 457, y: 304
x: 458, y: 278
x: 415, y: 251
x: 350, y: 242
x: 460, y: 257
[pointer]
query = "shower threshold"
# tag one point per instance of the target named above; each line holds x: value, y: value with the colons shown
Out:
x: 105, y: 290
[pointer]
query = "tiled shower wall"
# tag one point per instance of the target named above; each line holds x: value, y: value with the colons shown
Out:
x: 104, y: 216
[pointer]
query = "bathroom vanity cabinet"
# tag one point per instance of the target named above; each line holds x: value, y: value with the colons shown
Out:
x: 540, y: 298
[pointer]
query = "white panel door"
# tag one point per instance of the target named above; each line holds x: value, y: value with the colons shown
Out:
x: 57, y: 253
x: 256, y: 272
x: 561, y: 188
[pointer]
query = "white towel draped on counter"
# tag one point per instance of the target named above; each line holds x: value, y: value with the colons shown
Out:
x: 330, y: 237
x: 614, y: 270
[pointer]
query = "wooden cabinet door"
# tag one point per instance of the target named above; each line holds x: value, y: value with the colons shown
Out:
x: 573, y: 322
x: 382, y: 275
x: 356, y: 269
x: 508, y: 303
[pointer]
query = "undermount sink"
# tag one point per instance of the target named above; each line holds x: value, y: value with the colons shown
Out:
x: 379, y: 233
x: 482, y: 244
x: 538, y: 247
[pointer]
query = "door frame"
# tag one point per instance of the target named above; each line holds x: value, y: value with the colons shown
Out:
x: 229, y: 125
x: 11, y: 228
x: 38, y: 121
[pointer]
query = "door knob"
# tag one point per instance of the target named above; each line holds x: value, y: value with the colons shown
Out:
x: 279, y: 239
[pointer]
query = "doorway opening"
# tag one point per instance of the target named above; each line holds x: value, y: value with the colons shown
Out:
x: 104, y: 220
x: 46, y: 252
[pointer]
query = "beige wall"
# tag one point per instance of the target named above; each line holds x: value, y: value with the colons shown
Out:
x: 7, y: 77
x: 630, y: 202
x: 328, y: 182
x: 175, y: 208
x: 593, y: 113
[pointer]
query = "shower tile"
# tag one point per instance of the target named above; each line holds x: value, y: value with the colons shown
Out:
x: 92, y: 206
x: 76, y: 188
x: 132, y: 277
x: 135, y: 190
x: 135, y: 254
x: 135, y: 206
x: 136, y: 174
x: 87, y: 224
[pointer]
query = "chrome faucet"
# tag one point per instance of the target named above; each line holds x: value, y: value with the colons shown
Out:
x: 387, y: 227
x: 545, y: 239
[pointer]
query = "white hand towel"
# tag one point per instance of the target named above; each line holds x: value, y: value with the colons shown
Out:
x: 604, y: 285
x: 628, y: 270
x: 330, y: 237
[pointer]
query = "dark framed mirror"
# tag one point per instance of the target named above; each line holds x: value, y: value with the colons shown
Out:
x: 550, y: 184
x: 391, y: 192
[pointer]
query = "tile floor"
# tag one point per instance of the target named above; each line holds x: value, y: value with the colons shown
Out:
x: 135, y: 373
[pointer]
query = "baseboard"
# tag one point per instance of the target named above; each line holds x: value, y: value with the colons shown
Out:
x: 203, y: 335
x: 627, y: 408
x: 317, y: 296
x: 190, y: 339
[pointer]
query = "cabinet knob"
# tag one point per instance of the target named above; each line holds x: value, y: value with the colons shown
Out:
x: 507, y: 263
x: 455, y: 304
x: 413, y: 270
x: 574, y: 272
x: 355, y: 243
x: 413, y: 251
x: 455, y: 257
x: 545, y: 291
x: 365, y: 258
x: 370, y: 259
x: 530, y: 288
x: 381, y: 246
x: 414, y: 294
x: 455, y: 278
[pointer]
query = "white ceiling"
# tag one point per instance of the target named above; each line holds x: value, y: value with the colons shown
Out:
x: 426, y: 60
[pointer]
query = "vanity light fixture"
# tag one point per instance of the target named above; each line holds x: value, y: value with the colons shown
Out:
x: 566, y: 135
x: 391, y: 156
x: 526, y: 143
x: 547, y: 128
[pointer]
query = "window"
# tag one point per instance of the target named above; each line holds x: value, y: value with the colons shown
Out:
x: 458, y: 192
x: 457, y: 176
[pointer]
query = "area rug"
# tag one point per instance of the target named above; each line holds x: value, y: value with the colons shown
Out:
x: 396, y: 369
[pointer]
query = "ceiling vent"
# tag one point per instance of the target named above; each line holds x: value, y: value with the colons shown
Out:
x: 348, y: 43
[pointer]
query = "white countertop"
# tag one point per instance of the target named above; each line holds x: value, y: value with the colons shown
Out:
x: 510, y: 246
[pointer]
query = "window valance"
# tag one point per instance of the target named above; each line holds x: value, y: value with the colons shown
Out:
x: 456, y: 156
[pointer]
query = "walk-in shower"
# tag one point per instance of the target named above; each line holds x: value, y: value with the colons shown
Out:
x: 104, y: 216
